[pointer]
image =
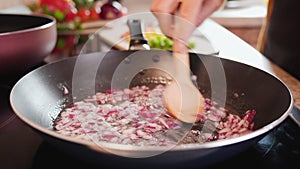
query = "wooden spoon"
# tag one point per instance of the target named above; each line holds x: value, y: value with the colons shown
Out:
x: 182, y: 99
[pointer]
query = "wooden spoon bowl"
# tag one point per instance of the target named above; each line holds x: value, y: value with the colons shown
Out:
x: 182, y: 98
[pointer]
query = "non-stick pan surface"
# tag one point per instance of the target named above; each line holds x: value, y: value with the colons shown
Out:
x: 40, y: 95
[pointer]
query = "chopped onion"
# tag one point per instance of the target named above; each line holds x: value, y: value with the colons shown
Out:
x: 138, y: 116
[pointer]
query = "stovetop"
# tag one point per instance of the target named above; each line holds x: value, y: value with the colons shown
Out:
x: 22, y: 148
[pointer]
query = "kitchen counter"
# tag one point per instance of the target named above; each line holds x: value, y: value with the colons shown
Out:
x: 241, y: 13
x: 234, y: 48
x: 244, y: 18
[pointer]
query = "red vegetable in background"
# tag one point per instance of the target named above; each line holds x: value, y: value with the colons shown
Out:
x: 95, y: 13
x: 84, y: 14
x: 59, y: 8
x: 111, y: 10
x: 62, y: 5
x: 70, y: 14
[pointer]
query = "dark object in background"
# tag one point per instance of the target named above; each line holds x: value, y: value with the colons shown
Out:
x: 282, y: 35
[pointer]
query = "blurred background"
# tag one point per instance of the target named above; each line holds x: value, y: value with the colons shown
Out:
x: 244, y: 18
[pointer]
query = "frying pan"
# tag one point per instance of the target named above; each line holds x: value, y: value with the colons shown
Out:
x: 25, y: 40
x: 42, y: 94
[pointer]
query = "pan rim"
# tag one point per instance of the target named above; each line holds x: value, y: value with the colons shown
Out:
x: 49, y: 24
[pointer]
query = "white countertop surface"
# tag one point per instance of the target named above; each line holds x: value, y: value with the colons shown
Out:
x: 241, y: 13
x: 232, y: 47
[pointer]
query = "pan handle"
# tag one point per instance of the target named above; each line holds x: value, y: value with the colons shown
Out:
x: 137, y: 40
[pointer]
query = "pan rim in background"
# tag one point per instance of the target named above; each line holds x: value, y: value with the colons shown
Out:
x: 51, y: 21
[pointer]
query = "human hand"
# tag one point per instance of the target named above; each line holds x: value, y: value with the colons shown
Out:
x: 183, y: 100
x: 191, y: 13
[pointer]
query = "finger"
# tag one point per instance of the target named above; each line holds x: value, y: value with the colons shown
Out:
x: 191, y: 14
x: 166, y: 23
x: 164, y: 6
x: 164, y: 11
x: 195, y: 11
x: 185, y: 24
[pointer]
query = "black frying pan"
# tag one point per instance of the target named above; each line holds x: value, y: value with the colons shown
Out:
x: 40, y: 95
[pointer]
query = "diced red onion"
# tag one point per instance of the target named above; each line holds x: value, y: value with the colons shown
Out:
x: 138, y: 116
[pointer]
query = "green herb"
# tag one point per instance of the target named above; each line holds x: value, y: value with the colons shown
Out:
x: 84, y: 3
x: 60, y: 43
x: 163, y: 42
x: 60, y: 16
